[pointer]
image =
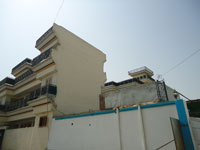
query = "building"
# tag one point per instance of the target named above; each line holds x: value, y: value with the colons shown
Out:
x: 66, y: 78
x: 193, y: 106
x: 141, y: 88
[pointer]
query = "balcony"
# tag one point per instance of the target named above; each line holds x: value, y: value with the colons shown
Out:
x: 50, y: 89
x: 8, y: 81
x: 27, y: 60
x: 2, y: 108
x: 44, y: 36
x: 41, y: 57
x: 23, y: 76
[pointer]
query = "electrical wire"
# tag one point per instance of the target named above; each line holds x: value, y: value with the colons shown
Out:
x: 182, y: 95
x: 181, y: 62
x: 165, y: 144
x: 59, y: 10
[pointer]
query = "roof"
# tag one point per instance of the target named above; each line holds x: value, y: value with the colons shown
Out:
x: 135, y: 71
x: 27, y: 60
x: 123, y: 82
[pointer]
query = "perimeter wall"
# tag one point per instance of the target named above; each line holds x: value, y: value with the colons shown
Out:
x: 146, y: 127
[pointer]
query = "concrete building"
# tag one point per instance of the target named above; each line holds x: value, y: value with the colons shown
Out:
x: 66, y: 78
x: 141, y: 88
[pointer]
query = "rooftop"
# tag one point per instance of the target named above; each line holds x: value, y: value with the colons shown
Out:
x: 123, y: 82
x: 33, y: 63
x: 27, y: 60
x: 47, y: 33
x: 141, y: 69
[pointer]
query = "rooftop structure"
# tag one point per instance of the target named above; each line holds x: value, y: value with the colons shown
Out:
x: 141, y: 88
x: 141, y: 70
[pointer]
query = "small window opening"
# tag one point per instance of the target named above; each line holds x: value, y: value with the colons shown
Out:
x: 43, y: 121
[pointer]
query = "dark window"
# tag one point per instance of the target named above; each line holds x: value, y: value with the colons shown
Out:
x: 22, y: 123
x: 141, y: 77
x: 43, y: 121
x: 144, y: 76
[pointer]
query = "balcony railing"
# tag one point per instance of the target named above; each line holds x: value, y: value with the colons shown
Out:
x: 8, y: 81
x: 2, y: 108
x: 27, y: 60
x: 23, y: 76
x: 34, y: 62
x: 41, y: 57
x: 16, y: 80
x: 50, y: 89
x: 44, y: 36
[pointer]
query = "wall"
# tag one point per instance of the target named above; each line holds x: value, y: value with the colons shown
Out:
x: 195, y: 124
x: 134, y: 94
x: 146, y: 127
x: 79, y: 75
x: 13, y: 136
x: 25, y: 139
x: 170, y: 93
x: 31, y: 138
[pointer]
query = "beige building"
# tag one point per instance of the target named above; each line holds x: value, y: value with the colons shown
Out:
x: 66, y: 78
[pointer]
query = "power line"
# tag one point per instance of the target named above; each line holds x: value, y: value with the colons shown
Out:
x: 59, y: 11
x: 174, y: 67
x: 176, y: 92
x: 165, y: 144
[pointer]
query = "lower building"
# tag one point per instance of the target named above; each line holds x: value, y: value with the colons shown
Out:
x: 141, y: 88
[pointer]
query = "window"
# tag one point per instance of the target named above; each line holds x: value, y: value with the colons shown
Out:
x: 25, y: 123
x: 43, y: 121
x: 144, y: 76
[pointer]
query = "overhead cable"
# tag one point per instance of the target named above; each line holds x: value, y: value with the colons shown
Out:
x: 181, y: 62
x: 61, y: 5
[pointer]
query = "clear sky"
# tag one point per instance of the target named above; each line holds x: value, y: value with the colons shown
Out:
x: 132, y: 33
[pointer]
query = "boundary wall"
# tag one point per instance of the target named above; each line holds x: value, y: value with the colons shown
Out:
x: 195, y: 124
x: 145, y: 127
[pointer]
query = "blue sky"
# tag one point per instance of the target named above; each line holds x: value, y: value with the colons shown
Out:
x: 132, y: 33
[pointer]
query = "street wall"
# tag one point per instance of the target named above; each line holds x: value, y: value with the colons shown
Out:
x: 195, y: 125
x: 141, y: 128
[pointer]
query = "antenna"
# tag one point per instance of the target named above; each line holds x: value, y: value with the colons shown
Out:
x: 160, y: 77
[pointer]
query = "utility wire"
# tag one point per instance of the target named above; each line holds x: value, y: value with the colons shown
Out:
x: 174, y: 67
x: 182, y: 95
x: 165, y: 144
x: 61, y: 5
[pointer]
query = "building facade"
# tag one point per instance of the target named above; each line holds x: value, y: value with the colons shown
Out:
x: 65, y: 78
x: 141, y: 88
